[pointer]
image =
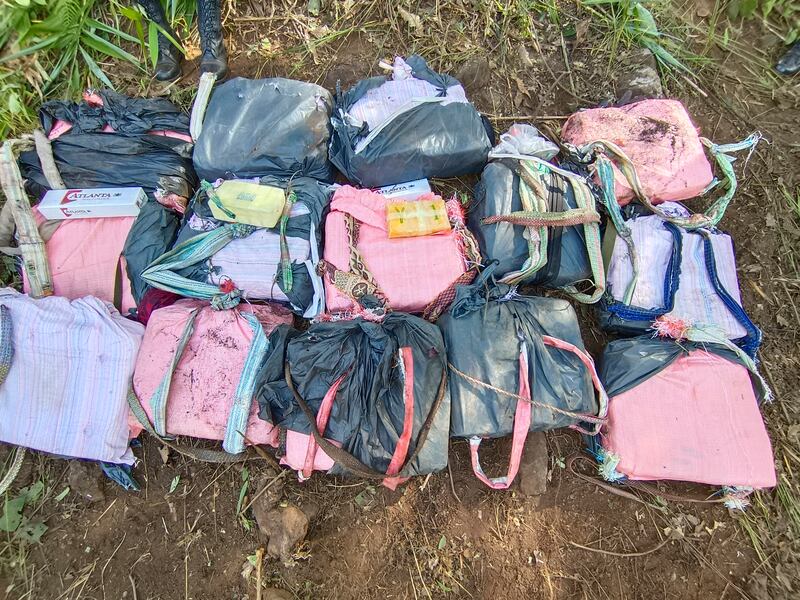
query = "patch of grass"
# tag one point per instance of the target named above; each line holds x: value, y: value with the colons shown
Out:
x: 782, y: 15
x: 57, y: 48
x: 22, y: 524
x: 631, y: 22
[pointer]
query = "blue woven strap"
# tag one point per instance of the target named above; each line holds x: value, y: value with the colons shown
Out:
x: 234, y: 441
x: 752, y: 340
x: 671, y: 282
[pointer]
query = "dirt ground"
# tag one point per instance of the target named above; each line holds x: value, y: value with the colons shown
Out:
x: 448, y: 535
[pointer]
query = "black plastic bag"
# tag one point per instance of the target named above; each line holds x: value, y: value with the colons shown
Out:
x: 123, y: 114
x: 517, y: 364
x: 429, y: 139
x: 259, y: 127
x: 87, y: 160
x: 567, y: 259
x: 369, y: 411
x: 628, y: 362
x: 86, y: 157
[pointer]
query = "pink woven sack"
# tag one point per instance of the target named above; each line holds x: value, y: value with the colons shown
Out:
x: 410, y: 274
x: 85, y: 258
x: 205, y: 387
x: 696, y: 420
x: 659, y: 138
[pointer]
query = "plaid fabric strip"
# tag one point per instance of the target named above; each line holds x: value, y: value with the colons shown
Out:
x: 34, y: 256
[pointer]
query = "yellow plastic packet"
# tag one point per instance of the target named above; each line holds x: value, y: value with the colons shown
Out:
x: 416, y: 218
x: 248, y: 203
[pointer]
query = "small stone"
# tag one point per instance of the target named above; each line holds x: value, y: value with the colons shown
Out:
x: 285, y: 527
x: 269, y: 499
x: 474, y: 74
x: 310, y: 509
x: 276, y: 594
x: 86, y: 480
x: 533, y: 466
x: 638, y: 78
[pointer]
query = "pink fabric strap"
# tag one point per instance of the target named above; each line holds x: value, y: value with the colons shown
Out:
x: 323, y: 414
x: 522, y: 423
x: 584, y: 357
x: 401, y: 449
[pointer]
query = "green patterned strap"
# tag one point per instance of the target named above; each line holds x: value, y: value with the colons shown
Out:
x: 286, y: 259
x: 606, y: 174
x: 533, y: 194
x: 204, y: 454
x: 239, y: 416
x: 6, y: 356
x: 234, y: 440
x: 6, y: 342
x: 606, y: 151
x: 162, y: 272
x: 594, y: 249
x: 158, y: 402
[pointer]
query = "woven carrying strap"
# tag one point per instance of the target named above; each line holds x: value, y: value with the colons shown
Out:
x: 162, y: 272
x: 628, y: 312
x: 32, y: 248
x: 468, y: 246
x: 597, y: 420
x: 359, y: 280
x: 535, y: 180
x: 350, y: 462
x: 406, y: 363
x: 207, y: 81
x: 234, y: 440
x: 6, y: 356
x: 607, y: 152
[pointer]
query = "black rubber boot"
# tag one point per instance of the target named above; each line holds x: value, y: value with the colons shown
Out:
x: 215, y: 57
x: 168, y: 65
x: 789, y: 64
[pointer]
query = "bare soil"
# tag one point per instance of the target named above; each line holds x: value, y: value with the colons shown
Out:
x: 448, y: 535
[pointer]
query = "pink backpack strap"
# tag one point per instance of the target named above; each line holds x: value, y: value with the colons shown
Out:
x: 323, y: 415
x: 401, y: 449
x: 522, y: 423
x: 522, y: 414
x: 403, y: 443
x: 599, y: 420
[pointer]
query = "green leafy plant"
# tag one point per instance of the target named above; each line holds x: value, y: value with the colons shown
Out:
x: 786, y: 12
x: 632, y: 22
x: 73, y: 38
x: 13, y: 519
x: 240, y: 503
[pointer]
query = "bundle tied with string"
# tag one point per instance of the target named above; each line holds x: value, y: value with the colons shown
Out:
x: 518, y: 364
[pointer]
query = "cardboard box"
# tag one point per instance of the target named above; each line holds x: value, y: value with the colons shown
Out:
x: 92, y: 203
x: 411, y: 190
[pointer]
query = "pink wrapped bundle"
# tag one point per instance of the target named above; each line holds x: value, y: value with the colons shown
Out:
x: 205, y: 380
x: 410, y: 272
x: 85, y: 258
x: 659, y: 138
x: 696, y: 420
